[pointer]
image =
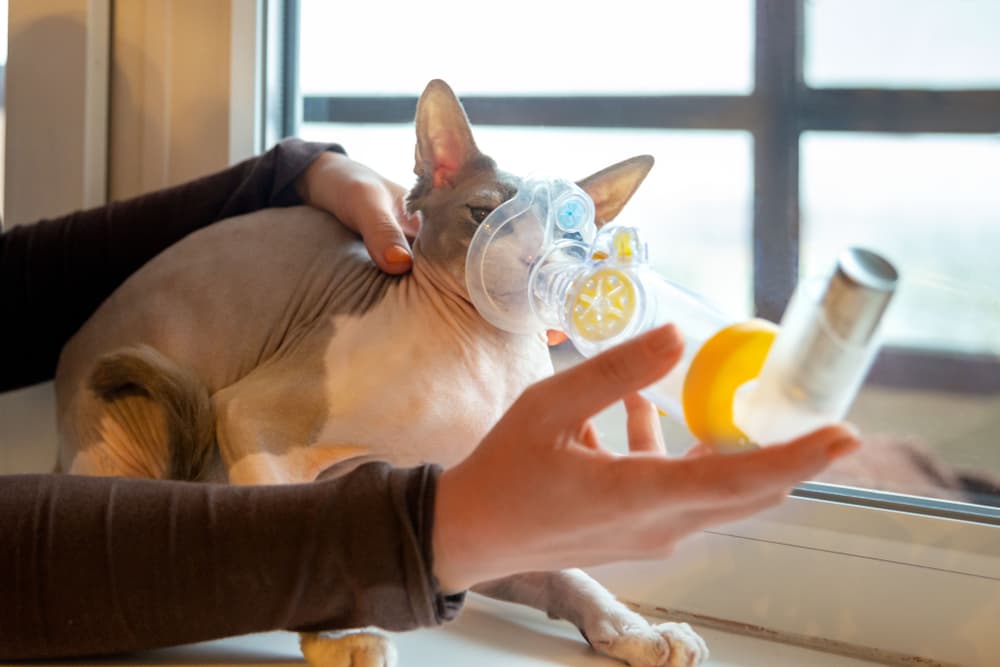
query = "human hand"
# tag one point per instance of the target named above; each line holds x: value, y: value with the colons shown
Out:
x: 366, y: 202
x: 540, y: 493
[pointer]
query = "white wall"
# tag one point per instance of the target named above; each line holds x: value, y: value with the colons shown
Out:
x: 183, y: 90
x: 56, y: 107
x: 171, y: 96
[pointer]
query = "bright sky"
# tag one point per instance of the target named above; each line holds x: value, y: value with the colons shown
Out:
x: 636, y: 46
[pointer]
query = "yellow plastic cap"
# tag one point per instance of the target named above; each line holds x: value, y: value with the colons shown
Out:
x: 727, y: 360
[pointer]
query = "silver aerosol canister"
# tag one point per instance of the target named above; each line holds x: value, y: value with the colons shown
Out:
x: 827, y: 342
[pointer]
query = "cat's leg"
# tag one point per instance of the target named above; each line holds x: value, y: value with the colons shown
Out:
x: 367, y: 647
x: 608, y: 625
x: 265, y: 425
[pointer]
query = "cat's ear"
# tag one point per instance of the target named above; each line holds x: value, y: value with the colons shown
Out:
x: 444, y: 140
x: 613, y: 186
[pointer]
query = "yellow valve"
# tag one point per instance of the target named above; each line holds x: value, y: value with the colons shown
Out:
x: 623, y: 240
x: 604, y: 305
x: 727, y: 360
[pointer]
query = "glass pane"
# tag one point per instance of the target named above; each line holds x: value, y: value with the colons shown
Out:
x: 932, y: 205
x: 903, y: 43
x: 929, y: 203
x: 527, y: 47
x: 694, y: 204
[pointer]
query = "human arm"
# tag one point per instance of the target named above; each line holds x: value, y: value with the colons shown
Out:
x: 91, y: 565
x: 540, y: 493
x: 94, y: 565
x: 54, y: 274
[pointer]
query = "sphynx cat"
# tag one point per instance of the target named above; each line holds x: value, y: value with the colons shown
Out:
x: 269, y: 349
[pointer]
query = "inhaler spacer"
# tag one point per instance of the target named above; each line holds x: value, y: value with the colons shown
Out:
x: 538, y: 262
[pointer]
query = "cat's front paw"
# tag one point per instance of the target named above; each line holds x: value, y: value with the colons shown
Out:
x: 633, y: 640
x: 351, y: 648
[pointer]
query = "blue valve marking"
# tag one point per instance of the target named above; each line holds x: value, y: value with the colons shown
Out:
x: 571, y: 214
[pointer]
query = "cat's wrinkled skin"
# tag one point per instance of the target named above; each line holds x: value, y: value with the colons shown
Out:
x: 270, y: 349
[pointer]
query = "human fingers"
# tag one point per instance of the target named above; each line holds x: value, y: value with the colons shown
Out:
x: 714, y: 481
x: 588, y: 436
x: 698, y: 449
x: 408, y: 222
x: 716, y: 516
x: 376, y: 217
x: 594, y: 384
x: 736, y: 478
x: 364, y: 201
x: 643, y: 425
x: 654, y: 535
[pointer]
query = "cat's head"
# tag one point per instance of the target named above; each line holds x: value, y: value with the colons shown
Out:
x: 458, y: 186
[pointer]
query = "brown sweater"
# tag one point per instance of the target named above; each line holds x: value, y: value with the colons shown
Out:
x: 100, y: 565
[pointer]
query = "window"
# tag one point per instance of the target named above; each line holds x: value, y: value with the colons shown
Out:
x: 765, y: 170
x: 926, y: 44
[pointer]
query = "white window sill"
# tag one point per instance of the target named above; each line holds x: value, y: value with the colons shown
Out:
x: 487, y: 633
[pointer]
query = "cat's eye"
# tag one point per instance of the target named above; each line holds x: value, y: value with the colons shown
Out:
x: 479, y: 213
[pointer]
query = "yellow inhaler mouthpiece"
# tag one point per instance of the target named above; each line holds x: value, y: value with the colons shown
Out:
x: 604, y: 305
x: 606, y: 302
x: 726, y: 361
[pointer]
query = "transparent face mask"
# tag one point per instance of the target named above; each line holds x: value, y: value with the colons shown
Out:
x: 506, y: 249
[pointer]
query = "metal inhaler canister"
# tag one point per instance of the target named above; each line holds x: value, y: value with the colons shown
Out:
x: 838, y: 338
x: 827, y: 342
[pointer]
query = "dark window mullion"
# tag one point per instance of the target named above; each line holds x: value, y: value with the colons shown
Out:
x: 680, y: 112
x: 899, y: 111
x: 281, y: 101
x: 292, y: 107
x: 778, y: 83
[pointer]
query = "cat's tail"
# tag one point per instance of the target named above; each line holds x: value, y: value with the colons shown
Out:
x: 184, y: 400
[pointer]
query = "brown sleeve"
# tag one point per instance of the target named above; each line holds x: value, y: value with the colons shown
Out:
x: 55, y: 273
x: 94, y: 565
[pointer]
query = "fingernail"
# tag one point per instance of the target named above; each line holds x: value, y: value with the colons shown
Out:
x: 397, y: 254
x: 842, y: 447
